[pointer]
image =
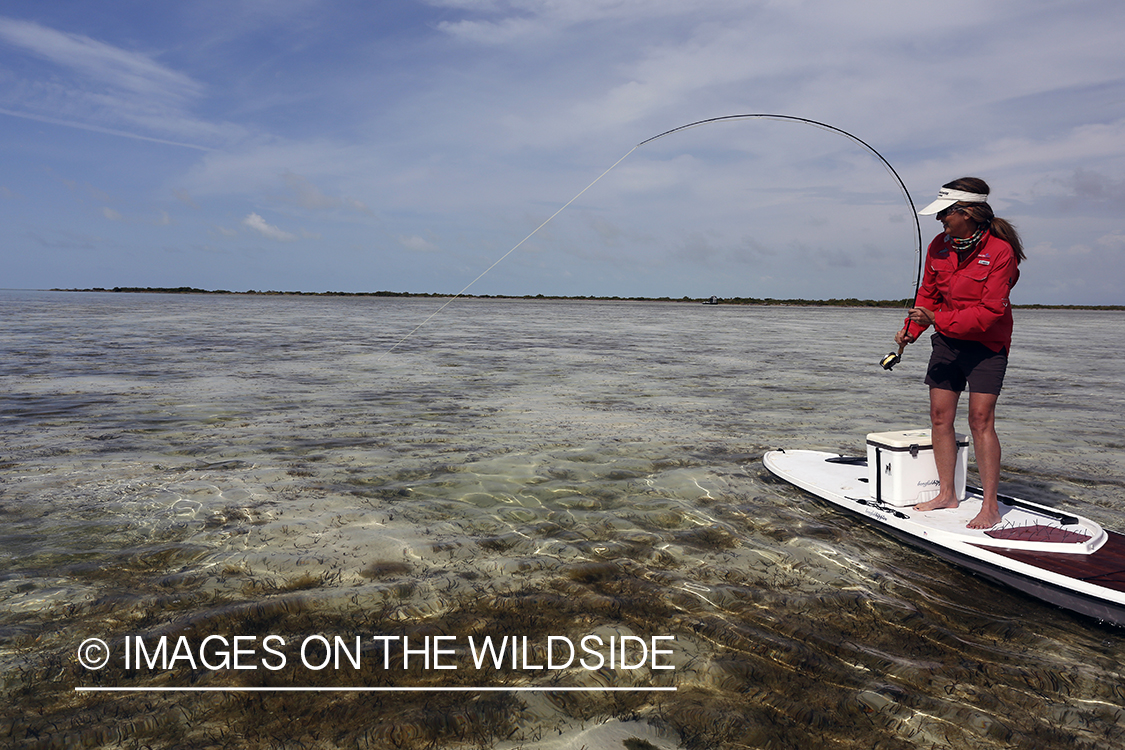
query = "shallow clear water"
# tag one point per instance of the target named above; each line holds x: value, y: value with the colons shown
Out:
x: 238, y: 465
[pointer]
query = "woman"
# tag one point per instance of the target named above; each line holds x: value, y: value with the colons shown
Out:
x: 970, y: 270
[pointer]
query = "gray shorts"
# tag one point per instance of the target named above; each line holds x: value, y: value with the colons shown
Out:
x: 956, y: 363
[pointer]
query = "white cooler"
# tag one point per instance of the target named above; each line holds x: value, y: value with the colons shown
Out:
x: 901, y: 469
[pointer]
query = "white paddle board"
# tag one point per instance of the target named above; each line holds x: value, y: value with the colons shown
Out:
x: 1060, y: 557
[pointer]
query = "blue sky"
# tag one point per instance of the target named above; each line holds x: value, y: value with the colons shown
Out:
x: 360, y: 146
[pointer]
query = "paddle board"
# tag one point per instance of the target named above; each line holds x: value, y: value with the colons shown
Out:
x: 1059, y: 557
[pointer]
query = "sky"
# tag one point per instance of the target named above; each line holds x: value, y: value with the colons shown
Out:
x: 409, y: 146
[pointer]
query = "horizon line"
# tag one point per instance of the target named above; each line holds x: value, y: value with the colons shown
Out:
x: 792, y: 301
x: 292, y: 689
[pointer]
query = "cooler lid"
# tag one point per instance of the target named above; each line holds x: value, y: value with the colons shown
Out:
x: 904, y: 439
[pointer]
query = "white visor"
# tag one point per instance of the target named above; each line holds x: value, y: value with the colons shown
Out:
x: 947, y: 197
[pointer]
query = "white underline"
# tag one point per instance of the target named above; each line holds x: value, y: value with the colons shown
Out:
x: 367, y: 689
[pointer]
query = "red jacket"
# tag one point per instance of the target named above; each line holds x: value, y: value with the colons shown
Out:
x: 969, y: 298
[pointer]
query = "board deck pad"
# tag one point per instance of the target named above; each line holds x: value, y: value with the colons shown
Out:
x: 1037, y: 533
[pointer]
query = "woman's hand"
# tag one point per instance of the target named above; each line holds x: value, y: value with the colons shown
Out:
x: 921, y: 315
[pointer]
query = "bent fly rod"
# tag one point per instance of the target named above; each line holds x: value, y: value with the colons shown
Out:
x: 888, y: 362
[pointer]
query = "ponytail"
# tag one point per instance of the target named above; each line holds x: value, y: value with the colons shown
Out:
x: 1003, y: 229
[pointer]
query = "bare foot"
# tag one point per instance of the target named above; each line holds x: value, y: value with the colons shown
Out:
x: 986, y: 519
x: 938, y: 503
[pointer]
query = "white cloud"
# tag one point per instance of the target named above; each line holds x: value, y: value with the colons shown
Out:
x: 417, y: 244
x: 93, y: 85
x: 1113, y: 242
x: 488, y: 32
x: 99, y: 62
x: 519, y: 19
x: 258, y: 224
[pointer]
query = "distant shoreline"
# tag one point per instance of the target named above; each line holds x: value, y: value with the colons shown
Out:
x: 767, y: 301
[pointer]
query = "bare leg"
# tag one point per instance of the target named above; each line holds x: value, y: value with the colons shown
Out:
x: 943, y: 411
x: 986, y: 447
